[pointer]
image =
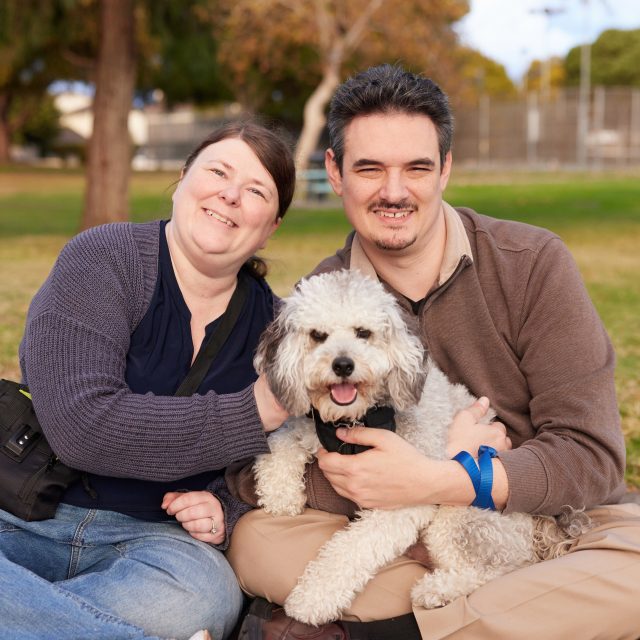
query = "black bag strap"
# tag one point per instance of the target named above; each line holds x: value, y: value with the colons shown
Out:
x: 207, y: 354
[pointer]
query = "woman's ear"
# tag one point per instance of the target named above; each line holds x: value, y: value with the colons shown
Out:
x: 271, y: 231
x: 173, y: 195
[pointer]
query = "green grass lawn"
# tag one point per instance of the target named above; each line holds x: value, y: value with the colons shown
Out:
x: 598, y: 216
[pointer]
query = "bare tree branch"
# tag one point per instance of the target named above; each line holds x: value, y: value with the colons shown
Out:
x: 357, y: 31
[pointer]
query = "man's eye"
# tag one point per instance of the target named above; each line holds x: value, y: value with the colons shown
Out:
x: 363, y: 334
x: 318, y: 336
x: 422, y: 169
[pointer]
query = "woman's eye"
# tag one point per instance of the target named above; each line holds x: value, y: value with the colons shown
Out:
x: 218, y: 172
x: 257, y: 192
x: 363, y: 334
x: 318, y: 336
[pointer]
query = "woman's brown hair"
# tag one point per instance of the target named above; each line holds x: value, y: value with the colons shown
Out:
x: 269, y: 145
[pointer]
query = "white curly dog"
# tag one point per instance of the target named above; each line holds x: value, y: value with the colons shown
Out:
x: 339, y: 346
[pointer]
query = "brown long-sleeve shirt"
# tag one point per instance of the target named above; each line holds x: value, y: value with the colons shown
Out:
x: 514, y: 322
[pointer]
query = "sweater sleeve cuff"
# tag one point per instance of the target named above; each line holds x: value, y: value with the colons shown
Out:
x: 528, y: 482
x: 244, y: 434
x: 232, y: 510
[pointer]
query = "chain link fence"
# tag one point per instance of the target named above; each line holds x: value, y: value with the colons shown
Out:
x: 600, y: 130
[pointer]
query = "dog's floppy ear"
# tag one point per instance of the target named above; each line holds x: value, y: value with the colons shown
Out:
x: 270, y: 341
x: 280, y: 357
x: 408, y: 362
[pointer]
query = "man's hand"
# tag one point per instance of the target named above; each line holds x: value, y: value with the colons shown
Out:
x: 199, y: 512
x: 394, y: 474
x: 385, y: 477
x: 466, y: 433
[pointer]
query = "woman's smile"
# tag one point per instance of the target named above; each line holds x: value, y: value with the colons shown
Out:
x: 217, y: 216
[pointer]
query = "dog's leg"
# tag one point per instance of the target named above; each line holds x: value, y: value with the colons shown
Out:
x: 470, y: 547
x: 280, y: 474
x: 443, y: 586
x: 350, y: 559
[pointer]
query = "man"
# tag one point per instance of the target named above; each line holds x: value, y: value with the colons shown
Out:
x: 502, y: 309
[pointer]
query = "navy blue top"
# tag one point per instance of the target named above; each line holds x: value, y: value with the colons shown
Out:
x: 160, y: 355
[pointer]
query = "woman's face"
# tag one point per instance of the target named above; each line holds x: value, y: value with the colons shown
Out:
x: 226, y: 203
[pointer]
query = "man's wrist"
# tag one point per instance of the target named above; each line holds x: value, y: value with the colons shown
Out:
x: 446, y: 482
x: 480, y: 472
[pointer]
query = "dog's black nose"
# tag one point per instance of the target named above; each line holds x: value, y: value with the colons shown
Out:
x: 343, y: 366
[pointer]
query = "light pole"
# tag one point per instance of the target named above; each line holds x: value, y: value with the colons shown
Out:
x: 584, y: 93
x: 583, y: 104
x: 545, y: 83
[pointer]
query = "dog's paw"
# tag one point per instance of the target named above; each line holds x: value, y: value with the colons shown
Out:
x: 435, y: 589
x: 282, y: 510
x: 428, y: 599
x: 311, y: 608
x: 287, y: 504
x: 442, y: 586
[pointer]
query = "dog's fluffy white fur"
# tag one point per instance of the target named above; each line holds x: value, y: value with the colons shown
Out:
x: 345, y: 314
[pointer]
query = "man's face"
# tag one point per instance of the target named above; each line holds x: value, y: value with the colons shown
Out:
x: 391, y: 182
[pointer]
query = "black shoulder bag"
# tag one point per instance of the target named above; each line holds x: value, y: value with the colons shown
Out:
x: 32, y: 477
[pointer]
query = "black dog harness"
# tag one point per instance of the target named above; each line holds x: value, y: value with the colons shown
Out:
x: 376, y: 418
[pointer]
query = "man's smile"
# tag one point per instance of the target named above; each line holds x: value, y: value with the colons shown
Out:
x: 392, y: 214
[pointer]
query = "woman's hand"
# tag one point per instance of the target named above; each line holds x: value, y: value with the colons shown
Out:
x: 199, y: 512
x: 466, y: 433
x: 270, y: 410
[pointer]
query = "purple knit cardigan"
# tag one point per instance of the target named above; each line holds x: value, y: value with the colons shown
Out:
x: 73, y: 357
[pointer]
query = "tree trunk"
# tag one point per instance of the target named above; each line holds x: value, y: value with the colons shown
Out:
x: 314, y: 117
x: 336, y: 47
x: 5, y: 131
x: 109, y: 152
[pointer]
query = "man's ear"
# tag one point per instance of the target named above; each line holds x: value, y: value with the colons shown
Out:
x: 333, y: 171
x: 445, y: 174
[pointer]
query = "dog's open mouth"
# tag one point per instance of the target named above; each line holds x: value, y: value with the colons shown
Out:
x: 344, y: 393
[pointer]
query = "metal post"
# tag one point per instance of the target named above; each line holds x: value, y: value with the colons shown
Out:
x: 598, y: 120
x: 583, y: 105
x: 484, y: 128
x: 533, y: 128
x: 634, y: 127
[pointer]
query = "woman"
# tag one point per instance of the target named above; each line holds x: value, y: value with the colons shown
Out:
x: 109, y: 338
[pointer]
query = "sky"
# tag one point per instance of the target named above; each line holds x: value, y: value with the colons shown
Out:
x: 516, y: 32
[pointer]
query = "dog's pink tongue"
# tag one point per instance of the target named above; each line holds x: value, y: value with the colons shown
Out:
x: 343, y: 393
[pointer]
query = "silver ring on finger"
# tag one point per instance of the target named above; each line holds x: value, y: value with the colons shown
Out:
x: 214, y: 529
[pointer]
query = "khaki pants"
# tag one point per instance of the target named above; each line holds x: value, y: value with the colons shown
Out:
x: 592, y: 592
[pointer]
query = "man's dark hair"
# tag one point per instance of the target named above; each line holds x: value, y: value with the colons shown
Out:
x: 388, y: 89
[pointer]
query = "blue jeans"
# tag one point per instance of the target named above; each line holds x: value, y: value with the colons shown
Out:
x: 103, y: 575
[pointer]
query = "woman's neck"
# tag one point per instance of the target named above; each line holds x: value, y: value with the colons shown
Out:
x: 206, y: 288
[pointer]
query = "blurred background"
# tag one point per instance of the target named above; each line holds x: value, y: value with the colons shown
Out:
x: 101, y: 101
x: 552, y: 83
